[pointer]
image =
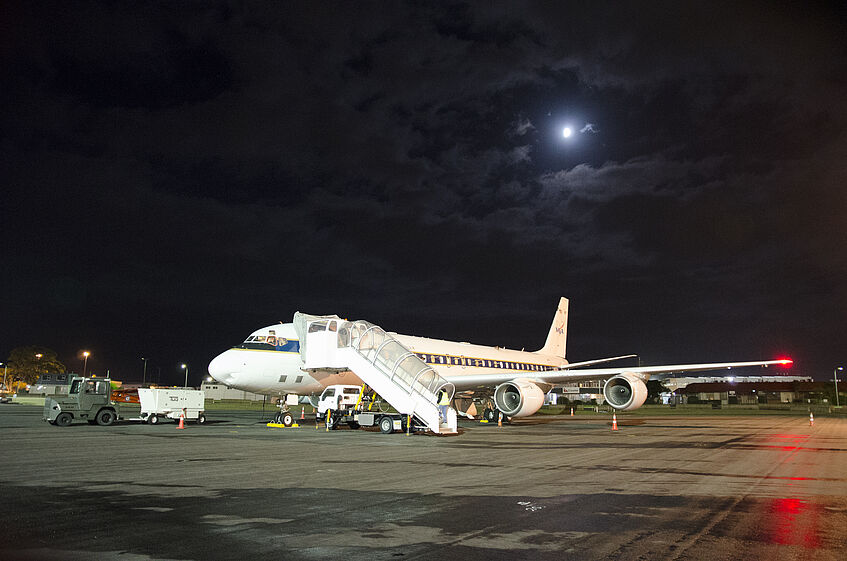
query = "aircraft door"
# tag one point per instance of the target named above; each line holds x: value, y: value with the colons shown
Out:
x: 321, y: 346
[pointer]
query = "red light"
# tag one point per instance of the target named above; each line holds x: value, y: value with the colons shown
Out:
x: 785, y: 362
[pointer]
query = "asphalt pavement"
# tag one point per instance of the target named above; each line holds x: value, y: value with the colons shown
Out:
x: 686, y: 488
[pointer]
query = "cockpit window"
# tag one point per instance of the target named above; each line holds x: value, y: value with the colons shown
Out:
x: 270, y: 342
x: 317, y: 326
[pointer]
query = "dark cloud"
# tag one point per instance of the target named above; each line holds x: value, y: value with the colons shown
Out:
x: 178, y: 175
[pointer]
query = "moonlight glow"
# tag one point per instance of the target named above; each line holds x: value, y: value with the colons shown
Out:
x: 567, y: 132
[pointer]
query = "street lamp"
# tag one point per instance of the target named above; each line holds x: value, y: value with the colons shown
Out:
x: 144, y: 376
x: 835, y: 379
x: 185, y: 367
x: 85, y: 364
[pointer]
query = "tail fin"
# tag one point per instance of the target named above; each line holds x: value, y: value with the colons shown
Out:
x: 557, y: 338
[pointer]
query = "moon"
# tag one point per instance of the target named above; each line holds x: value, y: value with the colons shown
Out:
x: 567, y: 132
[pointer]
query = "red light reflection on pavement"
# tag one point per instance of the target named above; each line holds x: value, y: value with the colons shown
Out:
x: 794, y: 522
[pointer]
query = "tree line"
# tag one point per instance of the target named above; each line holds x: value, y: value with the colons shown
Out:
x: 26, y: 364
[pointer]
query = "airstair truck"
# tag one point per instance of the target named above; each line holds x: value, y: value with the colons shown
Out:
x: 158, y: 404
x: 351, y: 405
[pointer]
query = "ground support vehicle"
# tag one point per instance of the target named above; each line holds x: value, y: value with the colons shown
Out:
x: 349, y: 405
x: 87, y: 398
x: 158, y: 404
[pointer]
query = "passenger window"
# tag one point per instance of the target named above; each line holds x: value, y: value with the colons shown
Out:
x: 282, y: 379
x: 298, y: 380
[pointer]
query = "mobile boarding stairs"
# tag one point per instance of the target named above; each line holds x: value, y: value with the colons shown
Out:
x: 394, y: 372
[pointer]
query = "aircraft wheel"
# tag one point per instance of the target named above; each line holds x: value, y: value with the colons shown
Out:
x: 386, y: 425
x: 106, y: 417
x: 490, y: 415
x: 287, y: 419
x: 64, y: 419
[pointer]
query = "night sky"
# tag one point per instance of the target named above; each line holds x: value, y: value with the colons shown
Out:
x: 176, y: 175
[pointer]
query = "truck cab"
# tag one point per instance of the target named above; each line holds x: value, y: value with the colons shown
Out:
x: 338, y: 398
x: 87, y: 398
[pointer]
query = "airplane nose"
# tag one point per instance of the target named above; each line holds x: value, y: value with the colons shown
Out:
x: 221, y: 368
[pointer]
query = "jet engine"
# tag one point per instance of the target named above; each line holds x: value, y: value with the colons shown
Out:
x: 518, y: 398
x: 625, y: 391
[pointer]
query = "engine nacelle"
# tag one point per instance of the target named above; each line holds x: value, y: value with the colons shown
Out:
x: 518, y: 398
x: 625, y: 391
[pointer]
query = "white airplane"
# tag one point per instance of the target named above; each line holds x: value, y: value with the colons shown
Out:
x: 514, y: 382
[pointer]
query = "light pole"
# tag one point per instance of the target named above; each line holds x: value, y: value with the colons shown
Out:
x: 144, y: 376
x: 185, y: 367
x: 835, y: 379
x: 85, y: 363
x: 5, y: 369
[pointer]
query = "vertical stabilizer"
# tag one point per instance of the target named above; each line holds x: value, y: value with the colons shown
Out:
x: 557, y: 338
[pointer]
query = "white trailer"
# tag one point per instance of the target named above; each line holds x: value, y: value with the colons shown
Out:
x: 171, y: 403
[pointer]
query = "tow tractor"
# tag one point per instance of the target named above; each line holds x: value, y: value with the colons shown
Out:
x: 88, y: 399
x: 357, y: 407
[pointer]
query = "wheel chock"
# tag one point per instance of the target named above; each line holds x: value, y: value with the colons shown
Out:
x: 281, y: 426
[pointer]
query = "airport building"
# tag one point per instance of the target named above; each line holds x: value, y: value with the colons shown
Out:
x: 755, y: 393
x: 217, y: 391
x: 677, y: 383
x: 50, y: 384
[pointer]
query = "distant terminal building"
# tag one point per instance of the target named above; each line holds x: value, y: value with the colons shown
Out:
x: 216, y: 391
x: 583, y: 391
x: 50, y: 384
x: 745, y: 390
x: 674, y: 384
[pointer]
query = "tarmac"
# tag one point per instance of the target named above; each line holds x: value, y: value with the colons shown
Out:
x: 552, y: 487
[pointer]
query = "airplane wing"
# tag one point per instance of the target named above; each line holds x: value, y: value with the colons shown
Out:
x: 555, y: 377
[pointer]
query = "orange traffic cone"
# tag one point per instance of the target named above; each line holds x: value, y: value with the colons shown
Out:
x: 571, y: 411
x: 614, y: 421
x: 181, y: 420
x: 302, y: 413
x: 811, y: 419
x: 500, y: 419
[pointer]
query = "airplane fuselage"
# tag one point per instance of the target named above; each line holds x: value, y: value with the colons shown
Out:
x: 269, y: 362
